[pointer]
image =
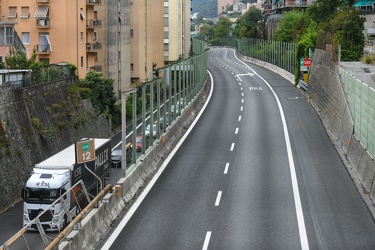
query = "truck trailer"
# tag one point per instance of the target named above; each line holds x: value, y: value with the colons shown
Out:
x: 51, y: 178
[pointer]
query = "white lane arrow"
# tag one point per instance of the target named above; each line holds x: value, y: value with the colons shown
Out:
x: 248, y: 74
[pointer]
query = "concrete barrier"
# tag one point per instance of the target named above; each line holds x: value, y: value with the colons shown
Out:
x: 99, y: 220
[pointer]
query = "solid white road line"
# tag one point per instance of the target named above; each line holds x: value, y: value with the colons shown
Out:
x: 206, y: 240
x: 218, y: 197
x: 147, y: 189
x: 226, y: 168
x: 297, y: 199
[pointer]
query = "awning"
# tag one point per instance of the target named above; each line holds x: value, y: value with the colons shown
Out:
x: 12, y: 12
x: 25, y: 12
x: 361, y: 3
x: 41, y: 12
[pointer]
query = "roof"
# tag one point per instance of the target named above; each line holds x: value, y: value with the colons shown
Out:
x: 65, y: 159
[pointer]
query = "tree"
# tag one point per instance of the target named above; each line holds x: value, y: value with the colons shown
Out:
x: 18, y: 60
x: 324, y: 10
x: 223, y: 28
x: 207, y: 32
x: 246, y: 25
x: 291, y: 26
x: 347, y: 26
x: 100, y: 91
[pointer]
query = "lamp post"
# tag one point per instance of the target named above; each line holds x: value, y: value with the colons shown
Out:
x: 124, y: 94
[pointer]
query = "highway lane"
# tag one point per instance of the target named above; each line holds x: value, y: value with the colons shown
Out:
x: 236, y: 182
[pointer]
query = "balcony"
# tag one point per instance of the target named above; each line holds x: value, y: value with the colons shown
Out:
x: 43, y: 23
x: 43, y: 48
x: 93, y: 2
x: 93, y: 47
x: 97, y: 68
x: 42, y: 1
x: 93, y: 23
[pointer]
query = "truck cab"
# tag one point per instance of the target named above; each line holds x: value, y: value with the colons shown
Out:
x: 41, y: 190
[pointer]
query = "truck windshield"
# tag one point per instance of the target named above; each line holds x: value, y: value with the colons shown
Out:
x: 41, y: 195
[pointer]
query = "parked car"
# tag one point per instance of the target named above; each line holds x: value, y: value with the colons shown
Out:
x: 116, y: 155
x: 139, y: 143
x: 154, y: 130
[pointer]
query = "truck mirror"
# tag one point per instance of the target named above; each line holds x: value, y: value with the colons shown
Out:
x: 23, y: 193
x: 63, y: 190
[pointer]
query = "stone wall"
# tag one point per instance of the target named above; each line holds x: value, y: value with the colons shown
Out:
x: 36, y: 123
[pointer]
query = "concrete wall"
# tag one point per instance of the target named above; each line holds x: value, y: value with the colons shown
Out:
x: 36, y: 123
x: 101, y: 219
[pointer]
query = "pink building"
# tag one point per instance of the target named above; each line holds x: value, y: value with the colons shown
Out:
x: 222, y: 5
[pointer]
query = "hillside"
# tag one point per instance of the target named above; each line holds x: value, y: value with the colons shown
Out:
x: 206, y: 8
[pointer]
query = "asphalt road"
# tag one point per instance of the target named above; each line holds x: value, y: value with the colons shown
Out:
x: 257, y: 171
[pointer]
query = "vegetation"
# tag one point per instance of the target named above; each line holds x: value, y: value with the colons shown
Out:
x: 18, y: 60
x: 246, y: 25
x: 100, y: 91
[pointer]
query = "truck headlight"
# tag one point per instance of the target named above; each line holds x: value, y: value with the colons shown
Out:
x: 26, y: 217
x: 55, y: 219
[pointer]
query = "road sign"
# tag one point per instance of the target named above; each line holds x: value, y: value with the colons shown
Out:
x: 307, y: 62
x: 85, y: 151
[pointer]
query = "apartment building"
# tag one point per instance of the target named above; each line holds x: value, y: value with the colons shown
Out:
x: 146, y: 39
x: 59, y: 31
x: 177, y: 39
x: 114, y: 35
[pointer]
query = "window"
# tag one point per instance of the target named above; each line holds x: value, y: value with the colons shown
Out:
x: 25, y: 12
x: 81, y: 61
x: 82, y: 14
x: 44, y: 42
x: 44, y: 60
x: 95, y: 15
x: 1, y: 59
x: 95, y: 38
x: 131, y: 33
x: 12, y: 12
x: 26, y: 37
x: 81, y: 37
x: 131, y: 67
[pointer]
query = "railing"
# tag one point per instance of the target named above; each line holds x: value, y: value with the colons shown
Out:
x: 43, y: 23
x: 42, y: 1
x: 93, y: 47
x: 93, y: 23
x: 43, y: 48
x: 93, y: 2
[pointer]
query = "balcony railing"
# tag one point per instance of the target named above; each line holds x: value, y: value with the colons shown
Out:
x: 93, y: 23
x: 42, y: 23
x: 43, y: 48
x: 97, y: 68
x: 93, y: 47
x: 93, y: 2
x: 42, y: 1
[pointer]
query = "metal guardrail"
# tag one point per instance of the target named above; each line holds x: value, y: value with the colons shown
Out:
x: 72, y: 219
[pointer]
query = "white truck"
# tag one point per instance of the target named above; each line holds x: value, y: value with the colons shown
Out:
x: 54, y: 176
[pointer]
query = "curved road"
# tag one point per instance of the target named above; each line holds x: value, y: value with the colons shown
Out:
x: 257, y: 171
